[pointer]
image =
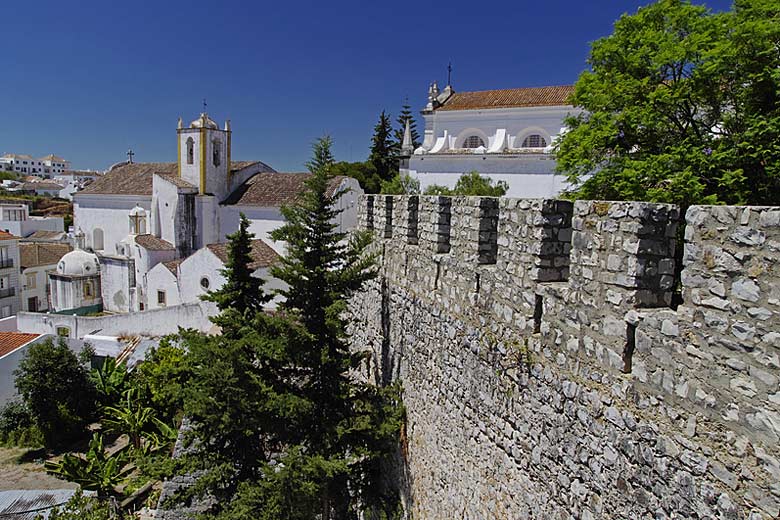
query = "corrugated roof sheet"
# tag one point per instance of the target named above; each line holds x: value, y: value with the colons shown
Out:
x: 509, y: 98
x: 27, y: 504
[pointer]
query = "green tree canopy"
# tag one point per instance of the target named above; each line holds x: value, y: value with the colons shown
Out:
x: 382, y: 155
x: 403, y: 117
x: 57, y: 389
x: 471, y: 184
x: 680, y: 105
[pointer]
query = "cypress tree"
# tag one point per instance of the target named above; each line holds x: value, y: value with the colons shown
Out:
x: 383, y: 155
x: 403, y: 117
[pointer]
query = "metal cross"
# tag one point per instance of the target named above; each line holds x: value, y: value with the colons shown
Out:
x: 130, y: 155
x: 449, y: 74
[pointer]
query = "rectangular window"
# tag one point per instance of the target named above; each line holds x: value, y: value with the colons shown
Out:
x: 161, y: 298
x: 31, y: 279
x: 5, y: 282
x: 5, y: 311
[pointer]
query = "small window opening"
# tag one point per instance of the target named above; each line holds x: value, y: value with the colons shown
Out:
x: 412, y: 235
x: 204, y: 283
x: 161, y: 298
x: 487, y: 245
x: 370, y: 212
x: 534, y: 141
x: 190, y: 151
x: 538, y: 309
x: 473, y: 141
x: 216, y: 152
x: 388, y: 216
x: 628, y: 351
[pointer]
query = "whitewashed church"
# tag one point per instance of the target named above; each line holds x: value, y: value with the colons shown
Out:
x: 141, y: 215
x: 503, y: 134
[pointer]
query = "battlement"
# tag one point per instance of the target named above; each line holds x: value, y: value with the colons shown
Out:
x: 586, y: 289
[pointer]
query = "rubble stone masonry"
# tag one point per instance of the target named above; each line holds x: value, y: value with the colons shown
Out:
x: 544, y: 372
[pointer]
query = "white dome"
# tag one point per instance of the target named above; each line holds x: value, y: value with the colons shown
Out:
x: 78, y: 263
x: 137, y: 211
x: 204, y: 120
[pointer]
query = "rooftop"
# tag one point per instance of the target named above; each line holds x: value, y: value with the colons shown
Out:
x: 153, y: 243
x: 274, y: 189
x: 34, y: 254
x: 136, y: 178
x: 262, y: 254
x: 44, y: 234
x: 509, y: 98
x: 10, y: 341
x: 5, y: 235
x: 172, y: 265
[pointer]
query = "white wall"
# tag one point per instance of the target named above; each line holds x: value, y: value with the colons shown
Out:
x: 107, y: 212
x: 25, y: 228
x: 117, y: 293
x: 160, y: 278
x: 39, y: 291
x: 157, y: 322
x: 8, y: 364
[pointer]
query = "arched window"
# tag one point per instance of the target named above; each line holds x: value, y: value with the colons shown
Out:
x: 534, y: 141
x: 88, y: 293
x: 473, y: 141
x: 216, y: 147
x: 97, y: 239
x: 190, y: 151
x: 205, y: 283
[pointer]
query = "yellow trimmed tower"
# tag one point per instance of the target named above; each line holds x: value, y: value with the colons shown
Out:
x: 204, y: 155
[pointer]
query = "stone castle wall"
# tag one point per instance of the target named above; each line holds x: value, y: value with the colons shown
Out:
x: 545, y: 374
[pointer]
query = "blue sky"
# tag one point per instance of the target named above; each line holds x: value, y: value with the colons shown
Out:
x: 87, y: 80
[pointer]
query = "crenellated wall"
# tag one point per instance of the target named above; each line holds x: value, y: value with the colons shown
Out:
x: 545, y: 374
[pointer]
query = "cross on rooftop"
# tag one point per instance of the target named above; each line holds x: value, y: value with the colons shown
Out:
x: 130, y: 155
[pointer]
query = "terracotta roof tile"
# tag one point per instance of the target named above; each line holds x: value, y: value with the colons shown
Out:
x: 136, y: 178
x: 274, y: 189
x: 172, y: 265
x: 5, y: 235
x: 42, y: 186
x: 262, y: 254
x: 176, y: 180
x: 10, y: 341
x: 34, y: 254
x: 509, y: 98
x: 153, y: 243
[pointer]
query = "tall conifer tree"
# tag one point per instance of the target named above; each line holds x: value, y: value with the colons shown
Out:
x: 382, y: 155
x: 403, y: 117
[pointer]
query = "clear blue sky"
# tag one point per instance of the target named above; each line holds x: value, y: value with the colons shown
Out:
x: 86, y: 80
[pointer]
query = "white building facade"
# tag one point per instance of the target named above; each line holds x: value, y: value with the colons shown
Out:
x: 506, y: 135
x: 16, y: 219
x: 24, y: 164
x: 141, y: 215
x: 9, y: 275
x: 36, y: 261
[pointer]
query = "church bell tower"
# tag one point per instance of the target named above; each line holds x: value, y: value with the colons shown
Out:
x: 204, y: 155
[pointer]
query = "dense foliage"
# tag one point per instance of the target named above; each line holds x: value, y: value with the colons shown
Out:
x: 383, y: 150
x: 398, y: 133
x: 680, y: 105
x: 471, y: 184
x: 57, y: 390
x: 293, y: 436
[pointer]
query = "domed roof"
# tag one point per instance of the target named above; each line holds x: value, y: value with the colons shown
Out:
x: 78, y: 263
x: 137, y: 211
x: 204, y: 121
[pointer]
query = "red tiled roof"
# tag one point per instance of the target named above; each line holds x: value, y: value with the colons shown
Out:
x: 262, y: 254
x: 10, y: 341
x: 153, y: 243
x: 5, y: 235
x: 172, y: 265
x: 136, y: 178
x: 509, y: 98
x: 274, y: 189
x: 34, y: 254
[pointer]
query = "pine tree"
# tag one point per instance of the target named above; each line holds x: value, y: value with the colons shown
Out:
x: 280, y: 428
x: 383, y: 155
x: 406, y: 115
x: 241, y: 291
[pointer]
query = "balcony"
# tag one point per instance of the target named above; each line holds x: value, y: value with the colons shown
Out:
x: 6, y: 262
x: 5, y: 293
